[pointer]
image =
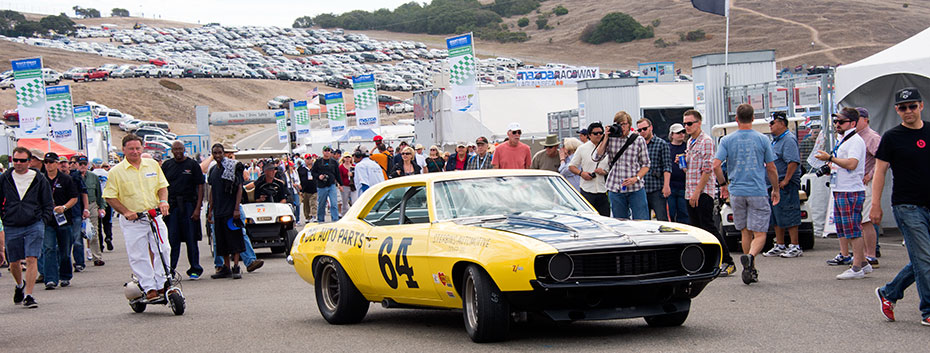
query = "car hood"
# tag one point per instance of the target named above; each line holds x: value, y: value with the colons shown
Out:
x: 569, y: 231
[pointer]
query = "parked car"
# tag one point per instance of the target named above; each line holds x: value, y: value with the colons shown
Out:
x: 158, y: 138
x: 130, y: 125
x: 158, y: 124
x: 114, y: 117
x: 51, y: 77
x: 170, y: 71
x: 156, y: 148
x: 91, y: 75
x: 142, y: 132
x: 6, y: 83
x: 279, y: 102
x: 11, y: 115
x: 158, y: 62
x: 123, y: 72
x: 400, y: 108
x: 146, y: 70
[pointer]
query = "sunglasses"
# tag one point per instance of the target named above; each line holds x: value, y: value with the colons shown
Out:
x: 406, y: 153
x: 680, y: 132
x: 547, y: 147
x: 20, y: 160
x: 597, y: 133
x: 517, y: 132
x: 841, y: 121
x: 50, y: 162
x: 481, y: 143
x: 689, y: 123
x: 904, y: 108
x: 642, y: 129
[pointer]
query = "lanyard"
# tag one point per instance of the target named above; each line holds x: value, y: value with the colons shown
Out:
x: 482, y: 162
x: 837, y: 147
x: 774, y: 141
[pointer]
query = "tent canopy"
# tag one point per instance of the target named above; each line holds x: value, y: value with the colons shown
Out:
x: 357, y: 135
x: 911, y: 56
x: 43, y: 144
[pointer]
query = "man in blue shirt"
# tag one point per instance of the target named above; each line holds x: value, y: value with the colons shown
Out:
x: 749, y: 158
x: 787, y: 214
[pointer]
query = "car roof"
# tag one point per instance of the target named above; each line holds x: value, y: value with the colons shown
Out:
x: 760, y: 125
x: 467, y: 174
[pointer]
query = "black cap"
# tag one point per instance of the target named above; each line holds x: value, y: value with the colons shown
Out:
x: 359, y: 154
x: 51, y: 156
x: 907, y: 94
x: 79, y: 159
x: 780, y: 116
x: 337, y: 151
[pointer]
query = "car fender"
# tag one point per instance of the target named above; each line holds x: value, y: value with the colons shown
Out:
x: 341, y: 241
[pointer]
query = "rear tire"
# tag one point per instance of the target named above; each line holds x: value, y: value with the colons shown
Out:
x: 338, y: 299
x: 291, y: 235
x: 667, y: 320
x: 484, y: 309
x: 137, y: 307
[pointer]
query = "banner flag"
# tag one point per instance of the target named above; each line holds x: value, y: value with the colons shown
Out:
x: 83, y: 116
x: 366, y: 101
x: 301, y: 119
x: 462, y: 72
x: 717, y: 7
x: 336, y: 113
x: 30, y: 98
x: 61, y: 114
x: 281, y: 121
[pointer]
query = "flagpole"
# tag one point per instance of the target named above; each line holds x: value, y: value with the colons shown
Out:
x: 726, y: 50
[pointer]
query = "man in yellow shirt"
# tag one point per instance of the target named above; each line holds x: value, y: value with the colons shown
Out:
x: 137, y: 185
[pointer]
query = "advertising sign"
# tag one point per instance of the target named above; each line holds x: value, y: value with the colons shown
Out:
x: 657, y: 72
x: 281, y: 121
x: 301, y: 119
x: 244, y: 117
x: 30, y: 98
x: 555, y: 77
x: 83, y: 116
x: 462, y: 73
x: 336, y: 113
x: 102, y: 124
x: 61, y: 114
x: 366, y: 101
x: 808, y: 95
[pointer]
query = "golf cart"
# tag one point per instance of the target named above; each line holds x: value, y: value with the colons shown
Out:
x: 268, y: 224
x: 723, y: 215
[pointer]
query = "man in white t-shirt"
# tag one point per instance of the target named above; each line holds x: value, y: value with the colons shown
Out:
x: 848, y: 158
x: 593, y: 174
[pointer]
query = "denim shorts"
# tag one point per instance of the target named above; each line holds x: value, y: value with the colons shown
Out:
x: 751, y: 212
x: 26, y: 241
x: 787, y: 213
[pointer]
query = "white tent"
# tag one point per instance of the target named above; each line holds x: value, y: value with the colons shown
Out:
x: 871, y: 82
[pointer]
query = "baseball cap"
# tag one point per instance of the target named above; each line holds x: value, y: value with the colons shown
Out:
x: 513, y: 126
x: 358, y: 154
x: 472, y: 144
x: 780, y: 116
x: 268, y: 166
x: 97, y: 161
x: 79, y: 159
x: 863, y: 113
x: 907, y: 94
x: 377, y: 138
x: 337, y: 151
x: 308, y: 155
x: 460, y: 144
x: 36, y: 153
x: 327, y: 148
x: 418, y: 147
x: 583, y: 131
x: 51, y: 157
x: 676, y: 127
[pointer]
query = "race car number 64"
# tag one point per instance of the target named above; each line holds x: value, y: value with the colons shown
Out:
x: 403, y: 267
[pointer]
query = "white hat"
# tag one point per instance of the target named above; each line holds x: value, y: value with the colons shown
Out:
x: 676, y: 127
x: 513, y: 127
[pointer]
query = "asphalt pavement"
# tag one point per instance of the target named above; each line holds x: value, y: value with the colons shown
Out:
x: 796, y: 306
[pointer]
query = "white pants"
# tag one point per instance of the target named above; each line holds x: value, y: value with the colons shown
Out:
x: 139, y: 241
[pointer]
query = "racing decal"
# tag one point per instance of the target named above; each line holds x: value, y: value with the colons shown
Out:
x: 460, y: 240
x: 450, y: 294
x: 436, y: 278
x: 517, y: 268
x: 403, y: 268
x: 335, y: 235
x: 444, y: 280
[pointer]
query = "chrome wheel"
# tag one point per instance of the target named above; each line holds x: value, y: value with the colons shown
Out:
x: 471, y: 303
x: 330, y: 287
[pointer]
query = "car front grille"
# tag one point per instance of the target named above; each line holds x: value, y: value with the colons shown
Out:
x: 627, y: 264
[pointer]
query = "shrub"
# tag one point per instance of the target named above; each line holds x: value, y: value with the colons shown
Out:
x: 617, y: 27
x: 542, y: 23
x: 693, y: 36
x: 523, y: 22
x: 660, y: 43
x: 560, y: 10
x: 656, y: 23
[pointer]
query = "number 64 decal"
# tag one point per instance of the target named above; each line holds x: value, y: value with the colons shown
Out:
x: 400, y: 258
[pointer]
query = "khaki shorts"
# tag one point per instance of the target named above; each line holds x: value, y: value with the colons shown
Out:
x: 867, y: 206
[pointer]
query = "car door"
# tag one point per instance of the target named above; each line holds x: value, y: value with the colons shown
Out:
x: 395, y: 254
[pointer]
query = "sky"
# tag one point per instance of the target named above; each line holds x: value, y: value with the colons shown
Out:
x: 227, y: 12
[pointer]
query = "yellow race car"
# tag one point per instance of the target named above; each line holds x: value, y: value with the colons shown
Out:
x: 500, y: 244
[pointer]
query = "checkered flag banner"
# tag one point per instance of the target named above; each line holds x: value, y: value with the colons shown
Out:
x: 301, y: 117
x: 365, y: 97
x: 30, y: 93
x: 60, y: 110
x: 337, y: 111
x: 462, y: 70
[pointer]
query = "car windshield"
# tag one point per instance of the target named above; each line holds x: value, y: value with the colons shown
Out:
x: 484, y: 196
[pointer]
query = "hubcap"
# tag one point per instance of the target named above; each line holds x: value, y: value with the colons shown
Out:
x: 471, y: 303
x: 330, y: 286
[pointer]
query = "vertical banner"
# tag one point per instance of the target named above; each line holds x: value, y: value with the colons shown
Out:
x: 462, y: 70
x: 60, y: 113
x: 366, y: 101
x: 336, y: 113
x: 281, y: 120
x: 30, y: 98
x: 83, y: 116
x: 301, y: 120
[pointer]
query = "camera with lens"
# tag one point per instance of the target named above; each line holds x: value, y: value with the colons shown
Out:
x: 615, y: 130
x: 823, y: 170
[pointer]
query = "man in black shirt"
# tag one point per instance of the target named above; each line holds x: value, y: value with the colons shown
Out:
x: 904, y: 148
x: 185, y: 196
x: 56, y: 248
x: 307, y: 188
x: 326, y: 173
x: 225, y: 181
x: 268, y: 188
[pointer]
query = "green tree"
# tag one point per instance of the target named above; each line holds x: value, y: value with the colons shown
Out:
x: 93, y: 13
x: 542, y: 23
x: 28, y: 29
x: 303, y: 22
x: 8, y: 20
x: 523, y: 22
x: 617, y: 27
x: 507, y: 8
x: 60, y: 24
x: 560, y: 10
x: 326, y: 20
x: 118, y: 12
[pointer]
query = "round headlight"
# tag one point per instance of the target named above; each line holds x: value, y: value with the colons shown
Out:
x: 692, y: 258
x: 561, y: 267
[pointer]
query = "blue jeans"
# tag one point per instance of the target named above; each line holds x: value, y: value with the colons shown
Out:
x: 247, y: 256
x: 322, y: 194
x: 914, y: 223
x: 658, y: 204
x: 678, y: 207
x: 77, y: 250
x: 296, y: 203
x: 181, y: 229
x: 621, y: 203
x: 56, y: 252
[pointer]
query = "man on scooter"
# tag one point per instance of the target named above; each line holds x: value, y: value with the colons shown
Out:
x: 138, y: 185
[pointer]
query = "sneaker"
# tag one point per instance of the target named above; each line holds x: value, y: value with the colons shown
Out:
x: 109, y: 245
x: 925, y: 322
x: 40, y: 279
x: 236, y: 272
x: 867, y: 269
x: 887, y: 305
x: 194, y: 276
x: 749, y: 274
x: 223, y: 272
x: 727, y: 270
x: 50, y: 285
x: 18, y: 294
x: 257, y: 264
x: 793, y: 251
x: 65, y: 283
x: 78, y: 268
x: 30, y: 302
x: 840, y: 260
x: 777, y: 250
x: 850, y: 274
x: 872, y: 261
x: 99, y: 263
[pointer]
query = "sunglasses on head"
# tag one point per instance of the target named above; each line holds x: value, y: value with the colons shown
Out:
x: 20, y: 160
x: 689, y: 123
x: 904, y: 108
x: 642, y: 129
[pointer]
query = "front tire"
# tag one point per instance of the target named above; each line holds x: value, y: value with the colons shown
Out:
x: 337, y: 298
x: 484, y: 309
x: 291, y: 235
x: 177, y: 303
x: 667, y: 320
